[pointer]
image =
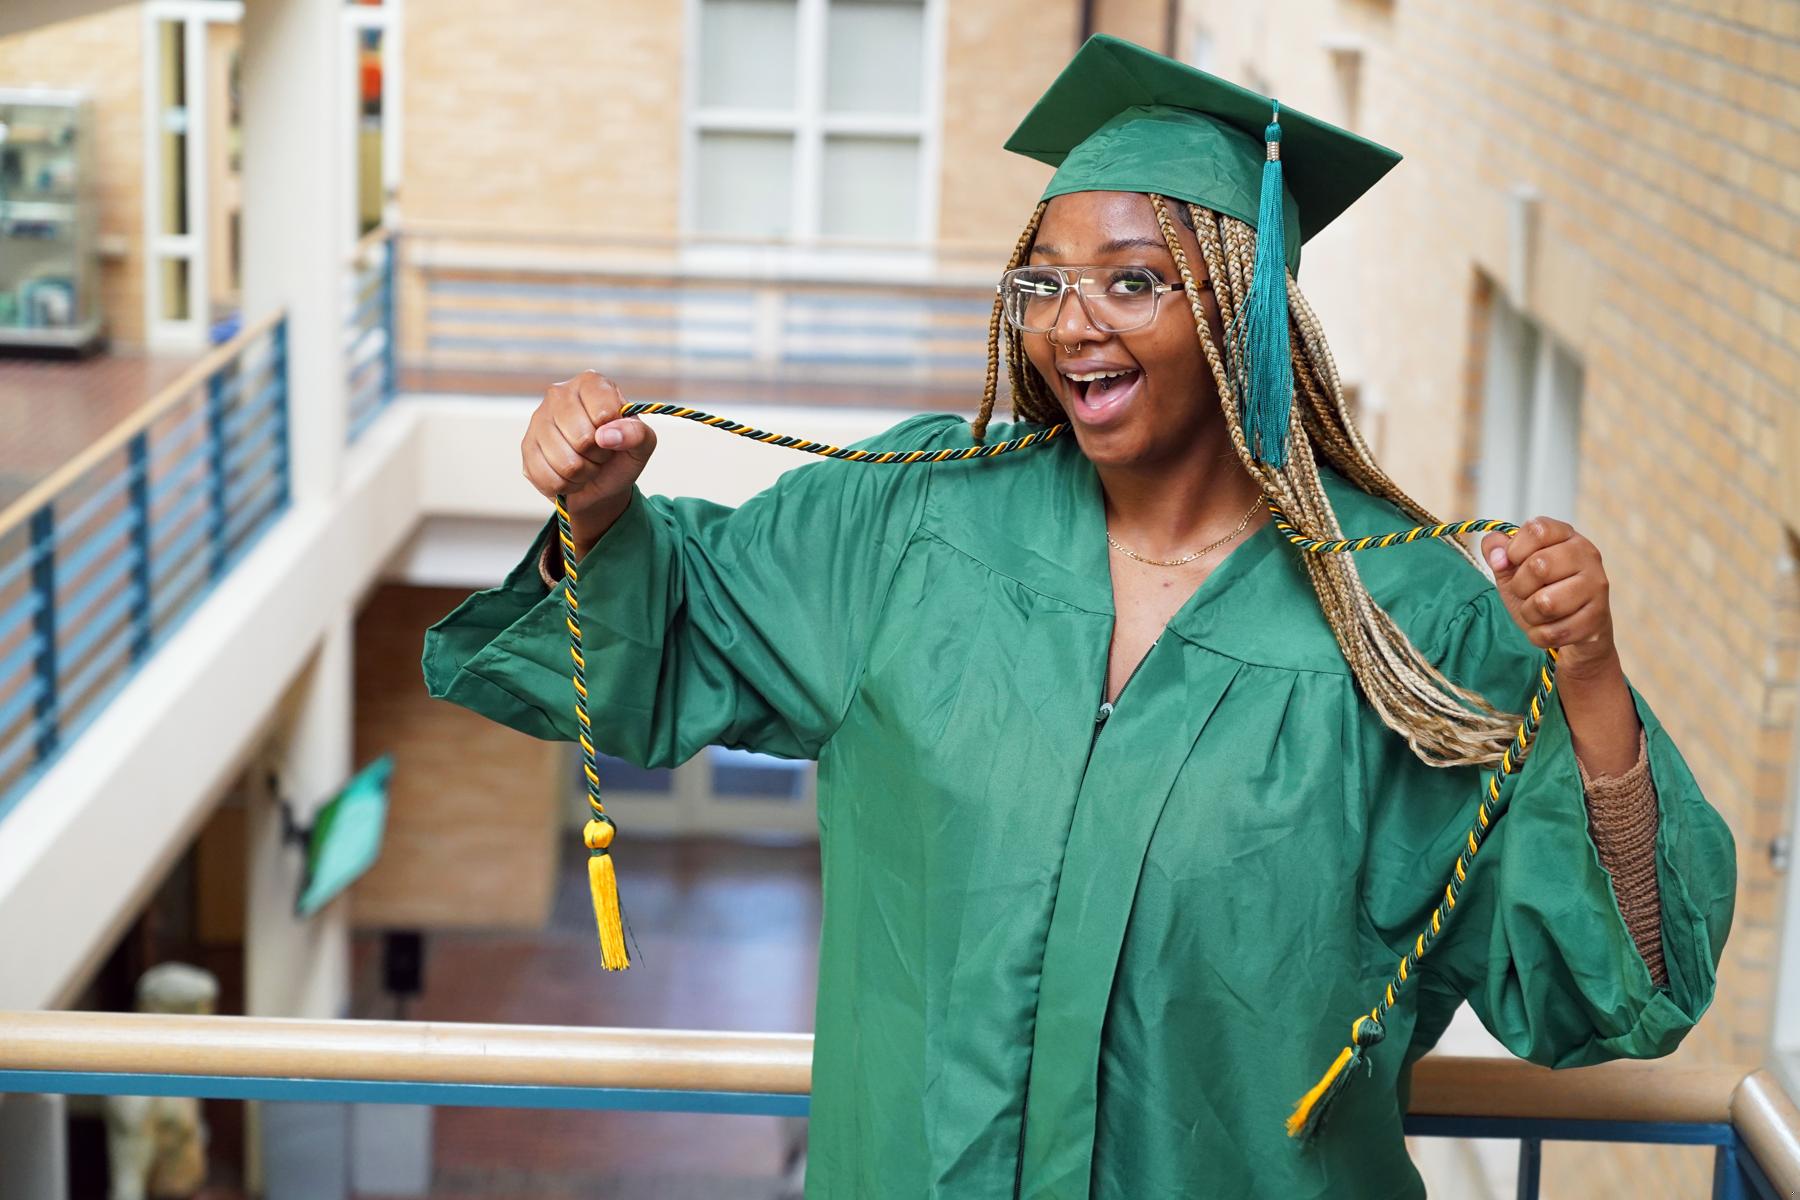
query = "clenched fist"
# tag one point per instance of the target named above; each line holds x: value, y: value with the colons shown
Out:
x: 577, y: 446
x: 1555, y: 587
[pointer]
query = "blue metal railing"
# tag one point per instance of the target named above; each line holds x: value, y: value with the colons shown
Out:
x: 370, y: 352
x: 767, y: 1074
x: 102, y: 561
x: 1736, y: 1173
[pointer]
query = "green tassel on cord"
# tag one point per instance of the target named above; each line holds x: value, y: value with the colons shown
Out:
x: 1267, y: 396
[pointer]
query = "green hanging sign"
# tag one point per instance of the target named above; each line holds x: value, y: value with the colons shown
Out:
x: 345, y: 838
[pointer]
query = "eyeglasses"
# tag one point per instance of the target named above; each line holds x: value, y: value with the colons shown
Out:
x: 1115, y: 299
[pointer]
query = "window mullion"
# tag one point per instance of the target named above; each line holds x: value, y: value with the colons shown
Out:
x: 747, y: 120
x: 809, y: 147
x: 931, y: 117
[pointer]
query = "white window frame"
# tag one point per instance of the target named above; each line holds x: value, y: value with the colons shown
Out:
x: 805, y: 252
x: 1786, y: 1034
x: 692, y: 807
x: 1203, y: 49
x: 388, y: 18
x: 1550, y: 449
x: 193, y: 16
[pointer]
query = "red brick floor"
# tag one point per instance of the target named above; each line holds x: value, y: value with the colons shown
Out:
x: 50, y: 409
x: 726, y: 938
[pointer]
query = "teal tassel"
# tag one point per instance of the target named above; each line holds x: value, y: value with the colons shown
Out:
x: 1267, y: 396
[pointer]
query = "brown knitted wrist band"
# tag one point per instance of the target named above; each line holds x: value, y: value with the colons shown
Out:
x: 544, y: 560
x: 1623, y: 821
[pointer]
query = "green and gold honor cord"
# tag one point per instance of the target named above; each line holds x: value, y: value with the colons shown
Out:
x: 1367, y: 1030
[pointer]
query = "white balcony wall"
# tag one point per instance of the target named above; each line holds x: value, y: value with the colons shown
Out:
x: 431, y: 493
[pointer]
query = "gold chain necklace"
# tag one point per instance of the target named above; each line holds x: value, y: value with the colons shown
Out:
x: 1185, y: 559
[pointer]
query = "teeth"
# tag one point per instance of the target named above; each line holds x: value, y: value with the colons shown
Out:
x: 1091, y: 376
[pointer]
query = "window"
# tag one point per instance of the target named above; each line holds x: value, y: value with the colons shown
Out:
x: 189, y: 197
x: 1203, y: 50
x: 1787, y: 979
x: 1346, y: 55
x: 813, y: 120
x: 719, y: 792
x: 1530, y: 419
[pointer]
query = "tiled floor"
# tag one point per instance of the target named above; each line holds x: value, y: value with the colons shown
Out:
x: 727, y: 938
x: 50, y: 409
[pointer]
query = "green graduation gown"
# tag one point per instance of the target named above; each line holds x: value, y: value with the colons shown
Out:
x: 1069, y: 957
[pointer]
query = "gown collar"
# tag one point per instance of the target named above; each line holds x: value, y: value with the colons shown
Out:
x: 1257, y: 605
x: 1039, y: 518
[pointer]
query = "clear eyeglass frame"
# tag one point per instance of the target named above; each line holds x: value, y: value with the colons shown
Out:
x: 1082, y: 281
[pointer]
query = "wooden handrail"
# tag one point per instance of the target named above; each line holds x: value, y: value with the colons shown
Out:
x: 546, y: 1055
x: 369, y: 241
x: 1661, y: 1089
x: 415, y: 1051
x: 1769, y: 1122
x: 110, y: 442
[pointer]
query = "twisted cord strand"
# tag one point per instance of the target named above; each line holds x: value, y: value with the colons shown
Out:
x: 1367, y: 1030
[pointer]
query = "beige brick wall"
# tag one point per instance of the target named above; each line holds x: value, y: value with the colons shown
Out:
x: 570, y: 123
x: 999, y: 56
x: 474, y: 816
x: 1665, y: 142
x: 565, y: 118
x: 102, y: 53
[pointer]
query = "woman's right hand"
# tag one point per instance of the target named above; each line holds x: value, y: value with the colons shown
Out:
x: 576, y: 445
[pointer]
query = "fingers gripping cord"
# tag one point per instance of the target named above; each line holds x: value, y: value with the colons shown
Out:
x: 599, y: 831
x: 1367, y: 1030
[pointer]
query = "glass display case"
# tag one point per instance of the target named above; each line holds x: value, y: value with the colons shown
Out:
x: 49, y: 270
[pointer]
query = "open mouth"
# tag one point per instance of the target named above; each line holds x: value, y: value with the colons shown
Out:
x: 1099, y: 394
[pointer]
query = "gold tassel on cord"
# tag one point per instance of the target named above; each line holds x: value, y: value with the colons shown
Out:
x: 603, y: 883
x: 1310, y: 1111
x: 1303, y: 1109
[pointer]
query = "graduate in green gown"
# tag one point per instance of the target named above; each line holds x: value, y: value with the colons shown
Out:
x: 1127, y: 808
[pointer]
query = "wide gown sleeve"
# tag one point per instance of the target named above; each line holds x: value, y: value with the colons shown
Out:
x: 1538, y: 943
x: 702, y: 624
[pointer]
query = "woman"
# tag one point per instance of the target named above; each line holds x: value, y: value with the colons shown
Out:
x: 1117, y: 834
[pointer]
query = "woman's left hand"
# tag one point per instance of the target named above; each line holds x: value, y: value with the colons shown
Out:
x: 1555, y: 587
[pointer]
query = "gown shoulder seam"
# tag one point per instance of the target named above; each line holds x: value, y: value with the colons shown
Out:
x: 937, y: 535
x: 913, y: 528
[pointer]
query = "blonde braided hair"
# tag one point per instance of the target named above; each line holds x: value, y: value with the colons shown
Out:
x: 1446, y: 725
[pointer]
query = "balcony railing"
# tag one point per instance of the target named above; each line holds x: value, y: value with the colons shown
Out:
x: 103, y: 560
x: 370, y: 353
x: 648, y: 309
x: 1751, y: 1121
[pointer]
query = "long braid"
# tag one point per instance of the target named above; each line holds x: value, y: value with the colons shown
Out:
x: 1445, y: 725
x: 1346, y: 447
x: 991, y: 388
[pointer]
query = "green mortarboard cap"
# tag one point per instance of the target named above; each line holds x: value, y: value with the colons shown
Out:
x: 1121, y: 118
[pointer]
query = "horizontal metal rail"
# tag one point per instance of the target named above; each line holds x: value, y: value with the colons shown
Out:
x: 100, y: 562
x: 370, y: 352
x: 1745, y: 1114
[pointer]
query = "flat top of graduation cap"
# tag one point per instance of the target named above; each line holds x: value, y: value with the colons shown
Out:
x: 1121, y: 118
